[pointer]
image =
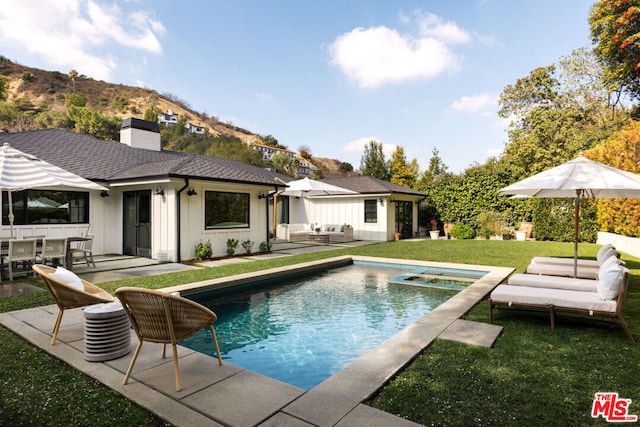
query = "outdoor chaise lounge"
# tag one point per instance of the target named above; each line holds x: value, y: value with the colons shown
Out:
x: 587, y: 269
x: 69, y: 291
x: 606, y: 301
x: 164, y: 318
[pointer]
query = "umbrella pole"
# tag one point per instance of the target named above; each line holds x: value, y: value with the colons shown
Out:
x: 10, y: 215
x: 576, y: 219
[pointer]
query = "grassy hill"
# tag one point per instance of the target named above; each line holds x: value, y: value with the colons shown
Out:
x: 33, y: 90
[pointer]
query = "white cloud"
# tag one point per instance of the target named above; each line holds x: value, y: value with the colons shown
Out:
x: 377, y: 56
x: 474, y: 104
x: 78, y: 34
x: 357, y: 146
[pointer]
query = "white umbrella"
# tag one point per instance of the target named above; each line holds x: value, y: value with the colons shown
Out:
x: 310, y: 187
x: 19, y: 171
x: 577, y: 178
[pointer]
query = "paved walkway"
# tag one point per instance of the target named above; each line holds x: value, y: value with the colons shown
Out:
x: 215, y: 395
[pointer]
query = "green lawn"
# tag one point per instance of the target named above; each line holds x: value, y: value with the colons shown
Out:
x: 532, y: 376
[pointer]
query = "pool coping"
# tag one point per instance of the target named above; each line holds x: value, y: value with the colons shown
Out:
x: 229, y: 395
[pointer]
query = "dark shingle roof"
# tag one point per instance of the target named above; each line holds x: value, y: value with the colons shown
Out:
x: 109, y: 161
x: 370, y: 185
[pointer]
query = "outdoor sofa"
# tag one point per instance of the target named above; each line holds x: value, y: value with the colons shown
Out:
x: 336, y: 232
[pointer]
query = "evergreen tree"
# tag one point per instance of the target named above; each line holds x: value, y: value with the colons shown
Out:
x: 373, y: 162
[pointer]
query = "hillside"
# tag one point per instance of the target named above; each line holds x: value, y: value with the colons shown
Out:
x: 40, y: 90
x: 33, y: 89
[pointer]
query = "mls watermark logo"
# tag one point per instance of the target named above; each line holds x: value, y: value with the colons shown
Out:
x: 612, y: 408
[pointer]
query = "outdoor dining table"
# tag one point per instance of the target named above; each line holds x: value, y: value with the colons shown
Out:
x: 4, y: 249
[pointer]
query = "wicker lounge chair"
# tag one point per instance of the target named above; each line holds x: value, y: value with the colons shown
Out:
x: 69, y: 291
x: 562, y: 300
x: 164, y: 318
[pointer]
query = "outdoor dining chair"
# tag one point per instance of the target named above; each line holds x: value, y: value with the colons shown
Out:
x: 54, y: 249
x: 69, y: 291
x: 22, y: 252
x: 84, y: 251
x: 164, y: 318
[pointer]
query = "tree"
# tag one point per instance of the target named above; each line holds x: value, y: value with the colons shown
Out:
x: 401, y: 172
x: 285, y: 164
x: 346, y: 167
x: 73, y: 75
x: 4, y: 87
x: 305, y: 152
x: 232, y: 147
x: 373, y: 162
x: 555, y: 112
x: 271, y: 141
x: 615, y: 32
x: 622, y: 151
x: 435, y: 170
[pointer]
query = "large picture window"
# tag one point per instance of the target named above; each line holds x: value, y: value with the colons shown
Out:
x: 46, y: 207
x: 370, y: 211
x: 226, y: 210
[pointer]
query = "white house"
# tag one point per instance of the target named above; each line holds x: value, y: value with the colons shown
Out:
x: 160, y: 204
x: 378, y: 211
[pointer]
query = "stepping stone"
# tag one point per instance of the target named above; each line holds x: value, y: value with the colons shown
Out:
x: 474, y: 333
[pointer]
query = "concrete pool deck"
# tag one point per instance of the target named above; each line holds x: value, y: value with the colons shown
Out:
x: 229, y: 395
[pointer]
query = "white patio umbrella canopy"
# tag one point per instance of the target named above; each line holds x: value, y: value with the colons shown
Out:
x: 577, y: 178
x: 19, y: 171
x: 310, y: 187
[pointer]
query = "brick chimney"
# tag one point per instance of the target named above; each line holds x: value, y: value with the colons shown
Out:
x: 138, y: 133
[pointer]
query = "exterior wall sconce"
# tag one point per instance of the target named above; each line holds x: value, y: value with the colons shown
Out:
x: 381, y: 202
x: 191, y: 192
x: 160, y: 191
x: 262, y: 195
x: 392, y: 200
x: 104, y: 193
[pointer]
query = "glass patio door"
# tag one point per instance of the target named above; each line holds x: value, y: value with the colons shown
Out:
x: 137, y: 223
x: 404, y: 219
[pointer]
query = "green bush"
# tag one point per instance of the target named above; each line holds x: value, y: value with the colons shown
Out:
x: 204, y: 250
x: 553, y: 219
x: 265, y: 247
x: 248, y: 246
x: 232, y: 245
x: 462, y: 231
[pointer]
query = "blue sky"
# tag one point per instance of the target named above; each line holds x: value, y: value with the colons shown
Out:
x: 328, y: 75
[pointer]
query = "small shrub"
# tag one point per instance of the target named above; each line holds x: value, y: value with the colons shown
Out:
x: 462, y: 231
x: 204, y: 250
x: 265, y: 247
x: 232, y: 245
x: 248, y: 246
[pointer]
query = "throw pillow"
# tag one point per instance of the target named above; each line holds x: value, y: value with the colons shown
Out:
x: 609, y: 282
x: 69, y: 278
x: 605, y: 252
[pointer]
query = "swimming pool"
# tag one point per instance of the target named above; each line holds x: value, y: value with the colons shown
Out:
x: 305, y: 329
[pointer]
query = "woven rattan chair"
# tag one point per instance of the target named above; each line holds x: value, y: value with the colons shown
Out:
x: 164, y: 318
x: 53, y: 249
x: 67, y: 296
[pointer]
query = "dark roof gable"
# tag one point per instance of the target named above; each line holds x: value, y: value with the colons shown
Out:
x: 370, y: 185
x: 110, y: 161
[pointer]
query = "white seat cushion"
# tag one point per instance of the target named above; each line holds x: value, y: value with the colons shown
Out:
x: 554, y: 282
x: 560, y: 298
x: 563, y: 270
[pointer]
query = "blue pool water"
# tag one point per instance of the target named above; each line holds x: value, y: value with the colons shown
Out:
x: 304, y: 330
